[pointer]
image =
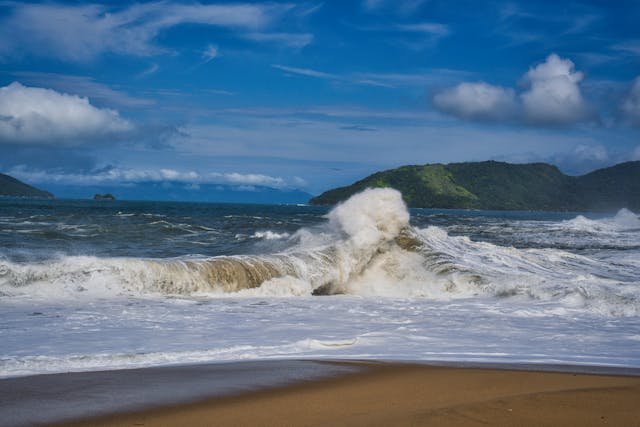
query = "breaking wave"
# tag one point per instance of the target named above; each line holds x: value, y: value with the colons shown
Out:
x: 624, y: 220
x: 367, y: 247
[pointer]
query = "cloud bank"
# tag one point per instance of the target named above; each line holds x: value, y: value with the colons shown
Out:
x: 477, y: 101
x: 37, y: 116
x: 123, y: 176
x: 552, y: 96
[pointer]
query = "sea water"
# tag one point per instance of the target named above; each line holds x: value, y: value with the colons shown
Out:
x: 90, y: 285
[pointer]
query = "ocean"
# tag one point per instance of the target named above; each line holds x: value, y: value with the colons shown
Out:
x: 90, y: 285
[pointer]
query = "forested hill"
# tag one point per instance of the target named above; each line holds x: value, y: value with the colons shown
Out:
x: 503, y: 186
x: 11, y: 187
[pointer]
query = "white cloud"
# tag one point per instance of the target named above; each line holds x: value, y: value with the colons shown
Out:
x: 554, y: 96
x: 326, y: 139
x: 631, y: 47
x: 87, y: 87
x: 306, y: 72
x: 414, y: 36
x: 82, y: 32
x: 631, y: 104
x: 30, y: 115
x: 479, y: 101
x: 210, y: 53
x: 421, y: 78
x: 636, y: 153
x: 124, y: 176
x: 528, y: 22
x: 152, y: 69
x: 252, y: 179
x: 385, y: 80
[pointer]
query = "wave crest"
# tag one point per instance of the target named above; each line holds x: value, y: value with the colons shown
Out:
x: 367, y: 247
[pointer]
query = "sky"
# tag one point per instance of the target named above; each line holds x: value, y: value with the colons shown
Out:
x: 311, y: 95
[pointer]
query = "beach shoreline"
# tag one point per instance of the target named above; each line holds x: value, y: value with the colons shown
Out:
x: 330, y: 392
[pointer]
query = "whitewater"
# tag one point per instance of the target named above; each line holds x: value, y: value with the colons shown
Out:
x: 110, y: 285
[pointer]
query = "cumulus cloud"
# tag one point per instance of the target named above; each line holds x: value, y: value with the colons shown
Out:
x: 552, y: 96
x: 37, y: 116
x: 112, y: 175
x: 82, y: 32
x: 477, y: 101
x: 631, y: 104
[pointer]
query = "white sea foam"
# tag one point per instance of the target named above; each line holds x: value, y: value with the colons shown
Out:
x: 113, y: 333
x: 406, y: 293
x: 269, y: 235
x: 624, y: 220
x: 366, y: 248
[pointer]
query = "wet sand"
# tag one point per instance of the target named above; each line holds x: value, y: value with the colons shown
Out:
x: 385, y: 394
x: 49, y: 398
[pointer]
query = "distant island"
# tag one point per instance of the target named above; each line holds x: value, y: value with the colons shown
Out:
x: 105, y: 196
x: 11, y: 187
x: 495, y: 185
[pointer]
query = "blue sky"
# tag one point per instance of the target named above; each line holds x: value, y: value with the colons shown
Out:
x: 310, y: 95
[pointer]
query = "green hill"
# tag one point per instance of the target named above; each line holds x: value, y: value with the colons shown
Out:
x: 503, y: 186
x: 11, y: 187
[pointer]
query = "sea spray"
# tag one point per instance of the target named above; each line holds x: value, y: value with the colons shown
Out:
x: 367, y: 247
x: 624, y: 220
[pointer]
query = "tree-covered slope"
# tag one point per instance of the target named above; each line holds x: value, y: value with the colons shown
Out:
x: 503, y: 186
x: 618, y: 185
x: 11, y: 187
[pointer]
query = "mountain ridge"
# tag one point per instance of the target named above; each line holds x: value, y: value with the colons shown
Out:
x: 494, y: 185
x: 12, y: 187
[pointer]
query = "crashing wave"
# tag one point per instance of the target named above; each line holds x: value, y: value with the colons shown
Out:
x: 624, y: 220
x: 367, y: 247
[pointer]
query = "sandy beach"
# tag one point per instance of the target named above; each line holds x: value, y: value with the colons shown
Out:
x: 386, y: 394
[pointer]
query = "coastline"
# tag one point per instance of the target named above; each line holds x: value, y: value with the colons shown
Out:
x: 325, y: 392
